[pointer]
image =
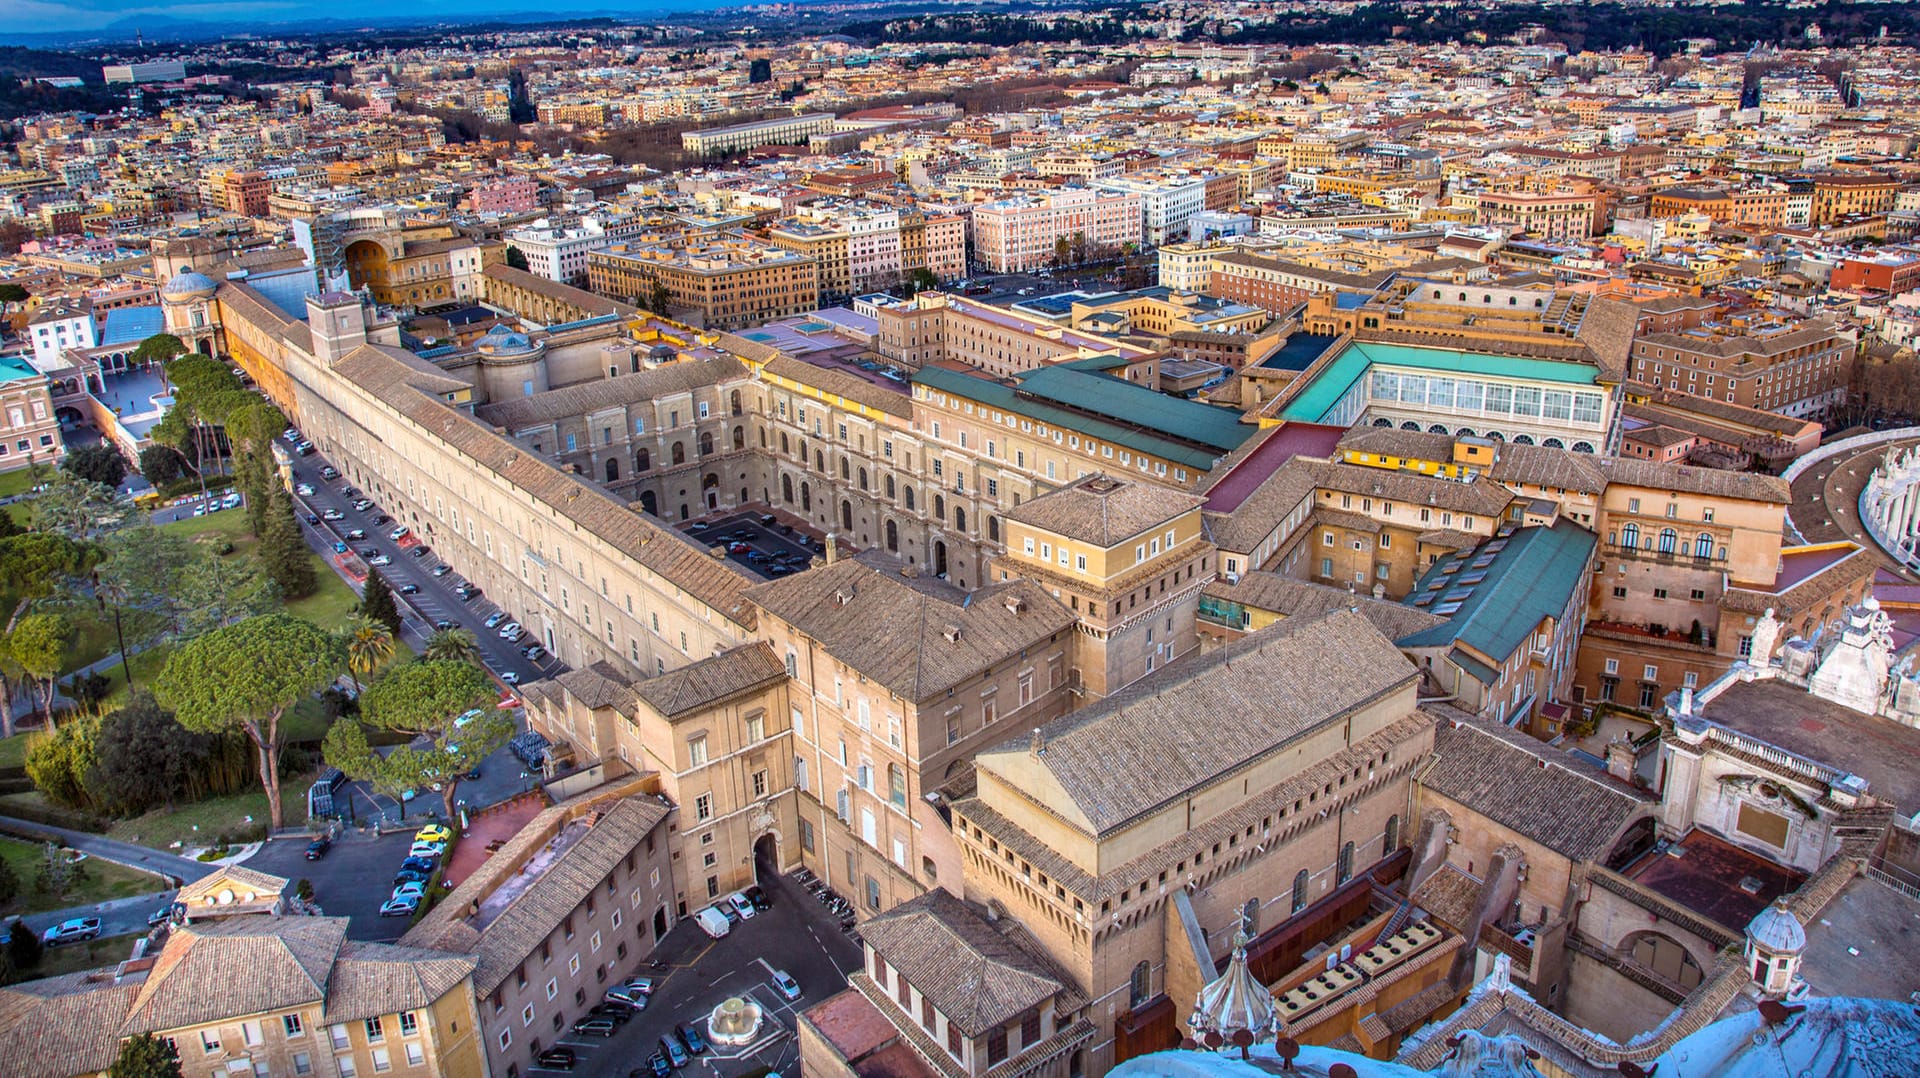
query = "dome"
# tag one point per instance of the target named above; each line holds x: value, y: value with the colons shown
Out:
x: 1777, y: 929
x: 188, y: 285
x: 1235, y: 1001
x: 502, y: 341
x: 1835, y: 1037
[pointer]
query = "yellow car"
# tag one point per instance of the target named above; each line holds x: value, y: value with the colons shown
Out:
x: 433, y: 833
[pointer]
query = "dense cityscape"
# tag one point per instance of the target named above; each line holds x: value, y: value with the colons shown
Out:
x: 1025, y: 540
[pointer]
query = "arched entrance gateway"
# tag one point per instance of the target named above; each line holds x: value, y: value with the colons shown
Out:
x: 766, y: 858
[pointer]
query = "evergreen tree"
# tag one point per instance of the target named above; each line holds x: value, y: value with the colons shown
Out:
x: 377, y: 603
x: 516, y: 258
x: 283, y: 552
x: 144, y: 1055
x: 23, y: 947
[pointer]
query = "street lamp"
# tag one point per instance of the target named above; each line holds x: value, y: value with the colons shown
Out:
x: 100, y: 599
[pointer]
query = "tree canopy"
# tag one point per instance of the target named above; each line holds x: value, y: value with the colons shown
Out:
x: 446, y: 704
x: 246, y: 676
x: 144, y: 1055
x: 97, y: 463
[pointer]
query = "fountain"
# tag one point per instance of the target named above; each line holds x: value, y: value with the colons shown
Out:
x: 734, y: 1023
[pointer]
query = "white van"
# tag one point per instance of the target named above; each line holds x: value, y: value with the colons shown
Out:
x: 712, y: 922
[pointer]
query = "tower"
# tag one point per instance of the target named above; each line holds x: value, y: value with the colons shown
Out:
x: 1775, y: 942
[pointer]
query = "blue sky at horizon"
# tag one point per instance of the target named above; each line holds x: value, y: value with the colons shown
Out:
x: 80, y: 16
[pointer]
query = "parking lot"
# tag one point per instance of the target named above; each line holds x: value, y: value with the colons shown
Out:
x: 795, y: 936
x: 768, y: 550
x: 352, y: 881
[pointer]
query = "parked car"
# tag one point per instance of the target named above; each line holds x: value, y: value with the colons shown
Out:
x: 508, y: 631
x: 445, y: 624
x: 534, y: 652
x: 618, y: 1013
x: 356, y: 535
x: 622, y: 996
x: 417, y: 864
x: 408, y: 589
x: 441, y: 570
x: 433, y: 832
x: 380, y: 559
x: 399, y: 533
x: 339, y: 547
x: 291, y: 434
x: 691, y: 1035
x: 411, y: 875
x: 759, y: 897
x: 329, y: 473
x: 362, y: 506
x: 312, y: 518
x: 738, y: 548
x: 657, y: 1066
x: 596, y: 1026
x: 698, y: 526
x: 426, y: 849
x: 399, y: 907
x: 675, y: 1054
x: 318, y: 848
x: 642, y: 985
x: 305, y: 490
x: 557, y: 1058
x: 741, y: 904
x: 333, y: 514
x: 495, y: 618
x: 511, y: 677
x: 466, y: 592
x: 72, y: 931
x: 784, y: 984
x: 421, y: 551
x: 379, y: 520
x: 713, y: 922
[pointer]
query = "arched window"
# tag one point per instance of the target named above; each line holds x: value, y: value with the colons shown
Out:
x: 1630, y: 536
x: 959, y: 519
x: 1300, y: 890
x: 819, y: 461
x: 706, y: 443
x: 786, y: 489
x: 1703, y: 545
x: 642, y: 461
x: 1344, y: 870
x: 897, y: 785
x: 739, y: 437
x: 993, y: 529
x: 679, y: 453
x: 909, y: 499
x: 940, y: 506
x: 734, y: 401
x: 845, y: 472
x: 806, y: 499
x: 846, y: 515
x: 1523, y: 439
x: 1392, y: 840
x: 613, y: 469
x: 1140, y: 989
x: 1553, y: 443
x: 1668, y: 538
x: 893, y: 537
x: 890, y: 494
x: 863, y: 479
x: 783, y: 442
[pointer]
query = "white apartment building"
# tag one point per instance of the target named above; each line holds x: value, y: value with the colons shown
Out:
x: 57, y: 328
x: 560, y: 253
x: 1020, y: 233
x: 1165, y: 201
x: 873, y: 247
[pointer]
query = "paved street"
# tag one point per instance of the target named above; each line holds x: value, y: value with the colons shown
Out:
x: 352, y: 881
x: 121, y: 853
x: 795, y: 935
x: 117, y: 918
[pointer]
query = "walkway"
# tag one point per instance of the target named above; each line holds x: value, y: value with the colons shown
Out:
x: 159, y: 862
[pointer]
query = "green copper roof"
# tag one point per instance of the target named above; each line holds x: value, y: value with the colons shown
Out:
x: 1494, y: 595
x: 1358, y: 358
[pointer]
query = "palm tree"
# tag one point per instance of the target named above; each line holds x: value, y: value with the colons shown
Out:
x: 369, y: 643
x: 458, y: 645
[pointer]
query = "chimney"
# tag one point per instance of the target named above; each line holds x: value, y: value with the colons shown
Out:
x: 833, y: 549
x: 1038, y: 743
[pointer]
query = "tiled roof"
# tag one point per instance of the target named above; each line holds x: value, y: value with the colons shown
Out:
x: 900, y: 634
x: 589, y: 302
x: 1533, y: 789
x: 1294, y: 598
x: 842, y: 384
x: 532, y: 915
x: 1266, y: 507
x: 209, y: 971
x: 619, y: 392
x: 1750, y: 486
x: 709, y: 681
x: 63, y: 1025
x: 974, y: 975
x: 1104, y: 510
x: 372, y: 979
x: 1482, y: 496
x: 1178, y: 730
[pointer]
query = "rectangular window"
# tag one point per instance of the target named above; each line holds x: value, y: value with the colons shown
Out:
x: 703, y: 807
x: 382, y: 1062
x: 346, y: 1065
x: 375, y: 1034
x: 292, y: 1024
x: 416, y: 1055
x: 697, y: 752
x: 409, y: 1023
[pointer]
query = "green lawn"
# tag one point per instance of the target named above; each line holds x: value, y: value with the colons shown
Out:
x: 161, y: 828
x: 13, y: 751
x: 104, y: 881
x: 146, y: 667
x: 94, y: 954
x: 95, y: 638
x: 21, y: 480
x: 327, y: 607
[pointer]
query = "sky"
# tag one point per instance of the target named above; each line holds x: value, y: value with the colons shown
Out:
x: 79, y: 16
